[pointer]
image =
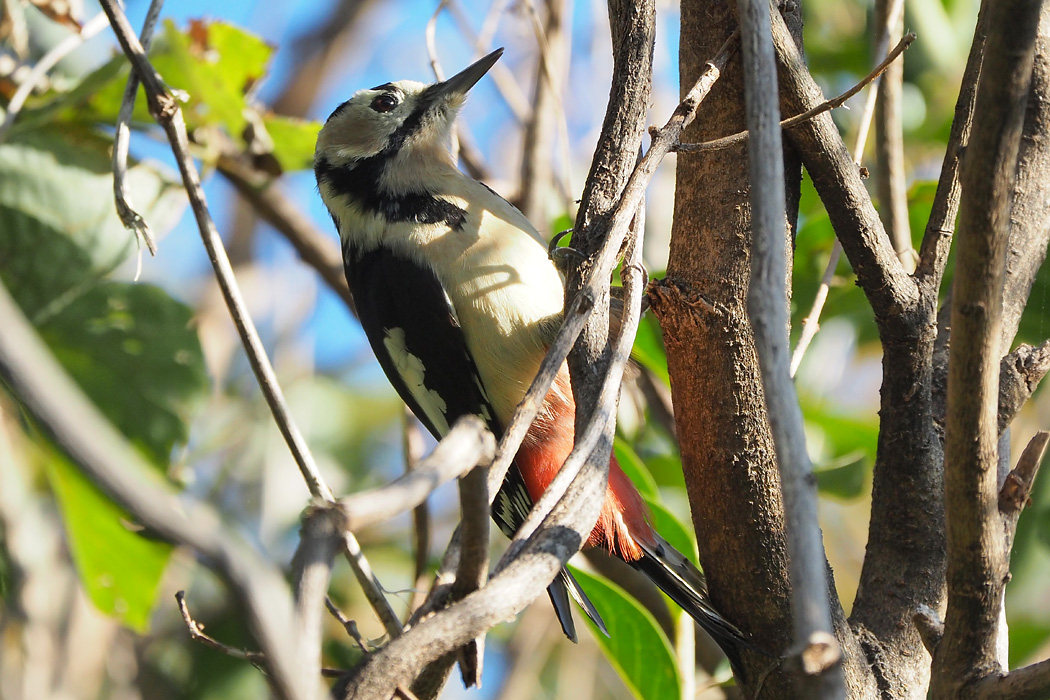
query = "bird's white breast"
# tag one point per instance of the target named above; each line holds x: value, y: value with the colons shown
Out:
x: 500, y: 280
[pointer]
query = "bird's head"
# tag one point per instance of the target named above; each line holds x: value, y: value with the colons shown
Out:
x: 398, y: 119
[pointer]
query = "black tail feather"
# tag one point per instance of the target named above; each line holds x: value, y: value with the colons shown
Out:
x: 685, y: 585
x: 559, y: 591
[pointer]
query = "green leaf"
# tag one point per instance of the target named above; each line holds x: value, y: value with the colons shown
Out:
x: 635, y: 469
x: 293, y: 141
x: 636, y: 646
x: 216, y: 64
x: 120, y: 570
x: 649, y: 350
x: 847, y: 481
x: 61, y: 179
x: 133, y: 351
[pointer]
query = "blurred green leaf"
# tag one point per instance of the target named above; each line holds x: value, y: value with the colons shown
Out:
x: 133, y: 351
x: 1040, y: 521
x: 215, y: 63
x: 847, y: 481
x: 648, y: 348
x: 1026, y: 638
x: 293, y: 141
x: 131, y: 348
x: 666, y: 470
x: 636, y: 646
x: 635, y: 469
x: 119, y: 569
x: 61, y: 179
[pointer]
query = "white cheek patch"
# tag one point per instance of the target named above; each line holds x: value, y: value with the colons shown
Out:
x: 412, y: 372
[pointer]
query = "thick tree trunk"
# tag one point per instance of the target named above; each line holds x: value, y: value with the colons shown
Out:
x: 727, y: 448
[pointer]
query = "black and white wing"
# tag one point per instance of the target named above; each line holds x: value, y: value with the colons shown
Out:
x: 414, y: 331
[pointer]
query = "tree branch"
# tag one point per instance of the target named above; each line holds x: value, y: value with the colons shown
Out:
x: 889, y: 137
x: 165, y: 110
x: 467, y: 445
x: 1028, y: 683
x: 879, y: 273
x: 320, y: 539
x: 977, y: 560
x: 811, y: 611
x: 937, y: 238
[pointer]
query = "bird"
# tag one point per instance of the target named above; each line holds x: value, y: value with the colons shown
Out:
x: 460, y: 300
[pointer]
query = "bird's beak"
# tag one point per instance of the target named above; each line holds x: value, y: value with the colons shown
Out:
x: 461, y: 82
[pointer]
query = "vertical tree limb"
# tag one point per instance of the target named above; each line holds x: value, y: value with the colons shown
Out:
x: 767, y: 308
x: 633, y: 26
x: 892, y: 180
x: 977, y: 559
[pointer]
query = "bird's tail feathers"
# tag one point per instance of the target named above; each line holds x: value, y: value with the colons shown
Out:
x: 559, y: 591
x: 676, y: 576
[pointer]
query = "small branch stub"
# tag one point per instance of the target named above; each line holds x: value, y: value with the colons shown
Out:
x: 930, y: 626
x: 822, y: 652
x: 1014, y: 494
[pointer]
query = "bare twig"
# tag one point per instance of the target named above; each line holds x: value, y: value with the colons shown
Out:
x: 937, y: 238
x: 879, y: 272
x: 320, y: 540
x: 811, y: 609
x: 131, y: 219
x: 817, y: 110
x: 889, y: 138
x: 977, y: 560
x: 467, y: 445
x: 810, y: 325
x: 503, y: 78
x: 598, y: 428
x: 548, y: 116
x: 197, y: 634
x: 412, y: 446
x: 349, y: 625
x: 46, y: 63
x: 1014, y: 494
x: 166, y: 112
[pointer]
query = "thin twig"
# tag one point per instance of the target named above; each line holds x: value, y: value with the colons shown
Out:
x: 825, y: 106
x: 811, y: 324
x: 502, y: 77
x: 412, y: 446
x: 349, y: 625
x: 892, y: 181
x: 466, y: 446
x: 131, y: 219
x: 197, y: 634
x: 165, y: 110
x: 46, y: 63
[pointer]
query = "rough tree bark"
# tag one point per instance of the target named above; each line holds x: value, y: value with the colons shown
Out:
x: 724, y: 435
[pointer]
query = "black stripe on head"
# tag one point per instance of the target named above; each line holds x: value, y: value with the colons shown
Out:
x: 413, y: 122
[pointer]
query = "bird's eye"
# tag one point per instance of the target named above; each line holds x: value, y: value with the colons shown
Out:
x: 384, y: 102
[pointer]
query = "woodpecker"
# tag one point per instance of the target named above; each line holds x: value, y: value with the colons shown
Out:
x: 459, y: 300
